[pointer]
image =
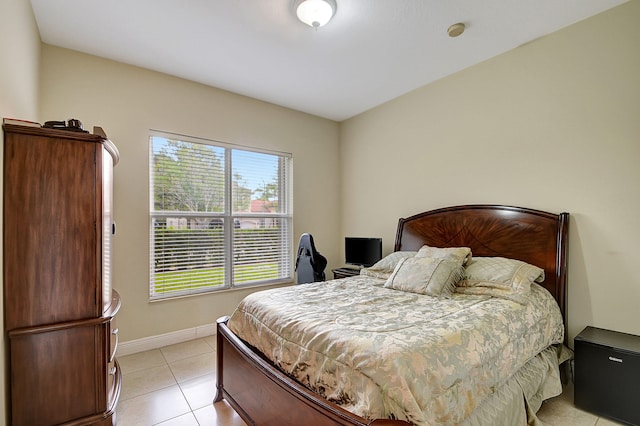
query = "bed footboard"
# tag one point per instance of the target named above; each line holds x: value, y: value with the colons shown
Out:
x: 263, y: 395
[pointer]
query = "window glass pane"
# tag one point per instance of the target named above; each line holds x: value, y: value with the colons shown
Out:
x: 187, y: 176
x: 257, y: 182
x: 188, y: 254
x: 261, y: 250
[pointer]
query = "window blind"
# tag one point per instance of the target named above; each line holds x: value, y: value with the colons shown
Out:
x: 220, y: 216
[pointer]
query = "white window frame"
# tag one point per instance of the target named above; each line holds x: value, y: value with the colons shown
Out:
x: 230, y: 224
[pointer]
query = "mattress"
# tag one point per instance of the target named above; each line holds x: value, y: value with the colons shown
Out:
x: 384, y: 353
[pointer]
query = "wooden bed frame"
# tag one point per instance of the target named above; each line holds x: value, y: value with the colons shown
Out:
x: 262, y: 395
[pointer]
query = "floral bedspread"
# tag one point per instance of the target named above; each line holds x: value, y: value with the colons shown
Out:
x: 384, y: 353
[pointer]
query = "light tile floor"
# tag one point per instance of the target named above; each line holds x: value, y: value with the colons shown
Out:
x: 560, y: 411
x: 175, y: 386
x: 172, y: 386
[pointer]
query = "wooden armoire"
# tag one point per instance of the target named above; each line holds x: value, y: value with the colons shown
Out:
x: 59, y: 304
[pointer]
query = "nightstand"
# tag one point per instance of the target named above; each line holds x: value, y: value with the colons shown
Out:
x: 607, y: 374
x: 345, y: 272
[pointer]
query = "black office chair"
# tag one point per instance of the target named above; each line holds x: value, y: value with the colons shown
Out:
x: 309, y: 264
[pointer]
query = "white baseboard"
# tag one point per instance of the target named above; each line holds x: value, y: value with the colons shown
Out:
x: 155, y: 342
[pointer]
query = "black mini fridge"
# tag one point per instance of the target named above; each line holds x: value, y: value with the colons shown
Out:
x: 607, y: 374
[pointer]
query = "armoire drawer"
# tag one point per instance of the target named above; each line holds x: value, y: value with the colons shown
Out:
x: 114, y: 383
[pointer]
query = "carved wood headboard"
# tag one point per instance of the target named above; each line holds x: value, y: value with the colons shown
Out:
x: 533, y: 236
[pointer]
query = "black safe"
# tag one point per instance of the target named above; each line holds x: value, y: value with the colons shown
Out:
x: 607, y: 374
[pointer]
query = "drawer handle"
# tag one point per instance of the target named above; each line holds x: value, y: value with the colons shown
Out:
x: 114, y: 348
x: 615, y: 359
x: 112, y: 371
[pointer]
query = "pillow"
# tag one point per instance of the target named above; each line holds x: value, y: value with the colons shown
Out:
x: 460, y: 254
x: 499, y: 277
x: 425, y: 275
x: 385, y: 266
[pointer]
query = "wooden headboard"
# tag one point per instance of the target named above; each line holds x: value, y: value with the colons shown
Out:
x: 533, y: 236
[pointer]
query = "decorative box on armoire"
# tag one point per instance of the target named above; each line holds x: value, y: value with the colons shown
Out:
x: 607, y: 374
x: 59, y: 304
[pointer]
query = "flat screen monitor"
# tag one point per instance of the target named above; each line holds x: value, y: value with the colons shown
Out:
x: 362, y: 251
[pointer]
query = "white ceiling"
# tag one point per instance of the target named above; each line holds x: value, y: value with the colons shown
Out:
x: 370, y: 52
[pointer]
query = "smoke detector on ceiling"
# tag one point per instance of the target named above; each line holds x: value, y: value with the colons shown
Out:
x: 456, y: 29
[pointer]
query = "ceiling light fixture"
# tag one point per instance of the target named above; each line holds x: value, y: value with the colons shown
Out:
x: 315, y: 13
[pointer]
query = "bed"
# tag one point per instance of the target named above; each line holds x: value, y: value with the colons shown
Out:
x: 281, y: 389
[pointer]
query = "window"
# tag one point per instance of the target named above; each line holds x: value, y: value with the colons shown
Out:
x: 220, y: 216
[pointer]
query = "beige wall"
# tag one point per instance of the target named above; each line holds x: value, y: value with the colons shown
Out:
x: 18, y: 99
x: 128, y: 101
x: 552, y: 125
